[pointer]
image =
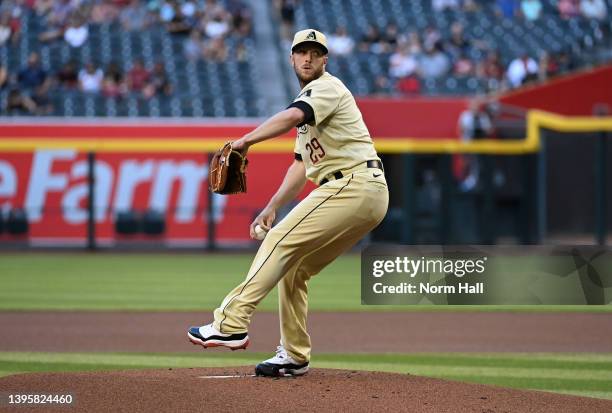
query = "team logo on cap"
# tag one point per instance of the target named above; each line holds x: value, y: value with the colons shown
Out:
x: 311, y: 36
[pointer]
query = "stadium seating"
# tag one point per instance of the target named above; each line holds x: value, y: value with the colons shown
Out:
x: 227, y: 88
x: 202, y: 88
x: 511, y: 38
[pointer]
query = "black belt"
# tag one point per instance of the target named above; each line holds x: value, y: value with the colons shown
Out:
x: 375, y: 163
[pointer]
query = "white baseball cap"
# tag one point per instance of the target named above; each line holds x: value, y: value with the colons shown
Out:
x: 310, y: 36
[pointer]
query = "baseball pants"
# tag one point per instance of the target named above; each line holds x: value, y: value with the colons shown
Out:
x: 330, y: 220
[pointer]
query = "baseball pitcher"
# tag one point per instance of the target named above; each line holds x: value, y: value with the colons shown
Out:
x: 334, y: 150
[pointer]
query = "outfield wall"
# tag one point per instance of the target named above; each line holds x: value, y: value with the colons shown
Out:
x: 51, y: 184
x: 52, y: 187
x: 162, y: 166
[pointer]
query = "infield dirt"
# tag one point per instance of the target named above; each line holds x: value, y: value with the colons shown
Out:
x: 174, y: 390
x: 322, y: 390
x: 331, y: 332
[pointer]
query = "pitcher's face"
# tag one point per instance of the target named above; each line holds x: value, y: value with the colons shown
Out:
x: 308, y: 61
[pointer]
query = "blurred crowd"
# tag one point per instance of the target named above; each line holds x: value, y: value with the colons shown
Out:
x: 29, y: 88
x: 204, y: 26
x: 415, y: 56
x: 207, y: 21
x: 213, y: 30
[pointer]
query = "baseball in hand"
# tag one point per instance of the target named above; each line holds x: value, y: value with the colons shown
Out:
x: 260, y: 233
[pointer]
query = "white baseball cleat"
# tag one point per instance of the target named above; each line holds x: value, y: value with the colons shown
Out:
x: 281, y: 365
x: 209, y: 336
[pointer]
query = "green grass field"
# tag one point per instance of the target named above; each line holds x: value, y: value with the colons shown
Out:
x: 179, y: 282
x: 185, y: 282
x: 579, y: 374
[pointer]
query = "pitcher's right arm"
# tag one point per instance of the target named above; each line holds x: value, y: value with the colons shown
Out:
x: 292, y: 185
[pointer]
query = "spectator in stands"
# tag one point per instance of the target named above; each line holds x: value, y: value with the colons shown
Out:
x: 441, y: 5
x: 5, y: 28
x: 216, y: 50
x: 402, y: 63
x: 241, y: 17
x: 158, y: 83
x: 593, y: 9
x: 77, y: 32
x: 474, y: 123
x: 382, y: 86
x: 531, y: 9
x: 43, y: 7
x: 193, y: 47
x: 90, y: 78
x: 33, y: 85
x: 547, y: 67
x: 134, y: 17
x: 463, y: 66
x: 491, y: 67
x: 457, y: 45
x: 138, y: 76
x: 215, y: 26
x: 53, y: 33
x: 16, y: 9
x: 68, y: 77
x: 507, y: 8
x: 18, y: 103
x: 390, y: 37
x: 434, y: 63
x: 105, y: 11
x: 4, y: 77
x: 521, y: 70
x: 214, y: 8
x: 33, y: 79
x: 414, y: 43
x: 113, y: 84
x: 180, y: 23
x: 340, y: 43
x: 431, y: 37
x: 568, y: 8
x: 9, y: 29
x: 56, y: 20
x: 565, y: 62
x: 371, y: 41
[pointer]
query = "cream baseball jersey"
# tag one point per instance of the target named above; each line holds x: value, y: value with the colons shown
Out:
x: 334, y: 136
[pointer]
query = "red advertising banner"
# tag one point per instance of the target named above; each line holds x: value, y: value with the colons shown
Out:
x: 161, y: 165
x: 52, y: 187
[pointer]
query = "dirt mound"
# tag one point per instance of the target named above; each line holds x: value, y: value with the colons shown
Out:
x: 196, y: 389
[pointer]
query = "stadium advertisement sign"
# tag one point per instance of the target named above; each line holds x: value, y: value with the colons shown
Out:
x: 51, y: 185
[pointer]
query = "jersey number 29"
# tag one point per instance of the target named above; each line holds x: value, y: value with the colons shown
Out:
x: 315, y: 150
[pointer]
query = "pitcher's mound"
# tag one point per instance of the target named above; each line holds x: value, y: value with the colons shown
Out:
x: 234, y: 389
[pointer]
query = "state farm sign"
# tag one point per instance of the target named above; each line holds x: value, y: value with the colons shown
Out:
x: 52, y: 187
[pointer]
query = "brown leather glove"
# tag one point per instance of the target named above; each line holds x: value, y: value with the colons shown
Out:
x: 227, y: 171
